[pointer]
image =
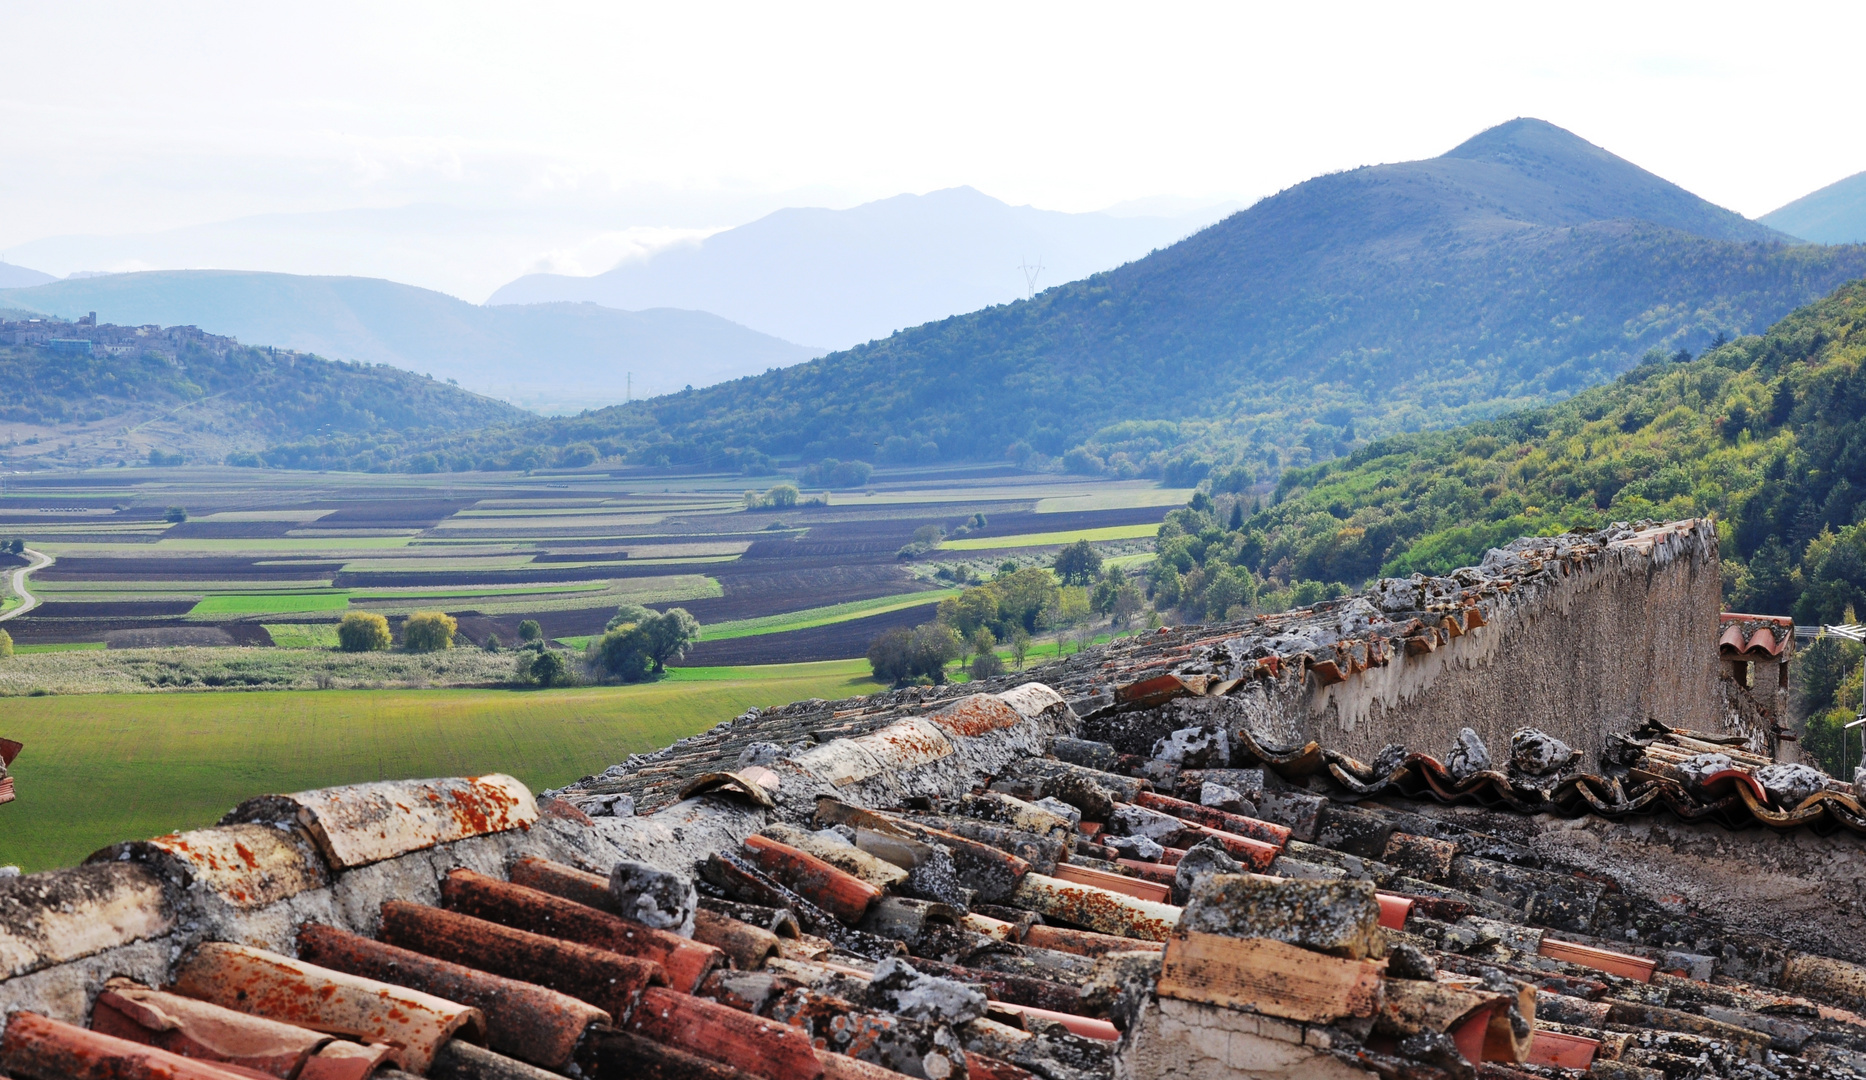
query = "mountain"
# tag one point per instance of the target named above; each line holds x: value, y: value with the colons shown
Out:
x: 837, y: 278
x: 18, y: 277
x: 1836, y: 214
x: 1519, y: 268
x: 79, y: 394
x: 549, y: 357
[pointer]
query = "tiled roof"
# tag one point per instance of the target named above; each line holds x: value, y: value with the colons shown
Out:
x: 951, y: 883
x: 8, y: 751
x: 1764, y: 636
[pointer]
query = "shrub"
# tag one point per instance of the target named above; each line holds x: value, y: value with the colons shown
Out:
x: 493, y: 644
x: 363, y: 631
x: 175, y: 515
x: 987, y: 666
x: 529, y: 630
x: 429, y: 631
x: 6, y: 643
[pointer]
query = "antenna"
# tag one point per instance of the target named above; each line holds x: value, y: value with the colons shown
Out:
x: 631, y: 388
x: 1031, y: 273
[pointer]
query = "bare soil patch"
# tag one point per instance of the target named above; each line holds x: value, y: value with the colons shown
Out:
x: 108, y: 609
x: 164, y: 637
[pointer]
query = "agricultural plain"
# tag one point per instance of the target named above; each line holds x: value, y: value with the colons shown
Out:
x: 271, y: 560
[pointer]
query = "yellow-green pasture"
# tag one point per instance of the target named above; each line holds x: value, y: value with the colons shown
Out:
x: 100, y: 768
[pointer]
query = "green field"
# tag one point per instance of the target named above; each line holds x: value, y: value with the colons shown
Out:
x: 822, y: 616
x: 303, y: 635
x: 63, y: 646
x: 1048, y: 539
x: 102, y: 768
x: 270, y: 603
x: 805, y: 619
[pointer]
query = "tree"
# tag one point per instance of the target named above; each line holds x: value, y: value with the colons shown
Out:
x: 1020, y: 646
x: 1070, y: 610
x: 983, y: 641
x: 577, y: 455
x: 669, y: 636
x: 492, y: 643
x: 546, y: 668
x: 1101, y: 601
x: 1078, y: 563
x: 987, y: 666
x: 429, y: 631
x: 624, y: 654
x: 363, y: 631
x: 890, y: 656
x: 529, y: 630
x: 933, y: 646
x: 1237, y: 516
x: 1127, y: 604
x: 1024, y: 594
x: 6, y: 644
x: 781, y: 497
x: 629, y: 615
x: 175, y: 515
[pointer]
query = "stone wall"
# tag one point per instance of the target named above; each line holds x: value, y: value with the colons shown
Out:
x: 1582, y: 636
x: 1628, y: 635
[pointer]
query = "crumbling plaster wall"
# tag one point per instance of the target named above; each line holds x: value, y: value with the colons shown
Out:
x: 1593, y: 654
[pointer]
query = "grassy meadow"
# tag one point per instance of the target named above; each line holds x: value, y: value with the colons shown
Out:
x: 98, y: 769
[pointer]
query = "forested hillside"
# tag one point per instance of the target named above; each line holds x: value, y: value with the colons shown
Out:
x: 1518, y: 268
x: 182, y: 392
x: 1766, y: 432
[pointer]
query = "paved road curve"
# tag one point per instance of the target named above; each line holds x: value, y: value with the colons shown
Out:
x: 40, y: 561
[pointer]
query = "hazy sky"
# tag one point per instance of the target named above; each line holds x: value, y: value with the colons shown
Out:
x: 121, y: 117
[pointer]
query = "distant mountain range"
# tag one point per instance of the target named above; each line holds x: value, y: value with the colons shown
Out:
x: 1516, y: 269
x: 18, y: 277
x: 1836, y: 214
x: 545, y: 357
x: 837, y: 278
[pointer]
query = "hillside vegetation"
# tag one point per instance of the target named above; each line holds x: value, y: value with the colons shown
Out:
x: 185, y: 392
x: 1515, y: 270
x: 1767, y: 432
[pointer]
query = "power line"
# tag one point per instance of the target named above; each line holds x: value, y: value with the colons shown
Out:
x: 1031, y: 274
